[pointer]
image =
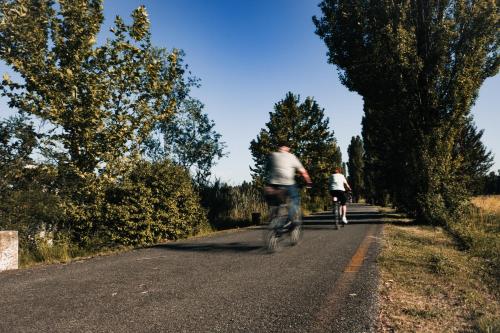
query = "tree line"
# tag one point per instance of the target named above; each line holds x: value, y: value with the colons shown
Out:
x: 418, y: 66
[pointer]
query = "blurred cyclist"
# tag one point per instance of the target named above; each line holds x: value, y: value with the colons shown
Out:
x: 283, y: 166
x: 338, y: 185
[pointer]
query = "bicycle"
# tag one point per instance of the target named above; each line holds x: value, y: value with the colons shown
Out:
x: 279, y: 224
x: 337, y: 212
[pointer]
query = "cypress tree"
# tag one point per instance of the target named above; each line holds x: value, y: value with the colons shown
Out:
x: 355, y: 165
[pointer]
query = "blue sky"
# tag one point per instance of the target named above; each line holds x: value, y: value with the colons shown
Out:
x: 249, y: 54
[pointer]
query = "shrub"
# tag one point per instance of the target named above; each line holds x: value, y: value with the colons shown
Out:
x: 155, y: 201
x: 28, y: 205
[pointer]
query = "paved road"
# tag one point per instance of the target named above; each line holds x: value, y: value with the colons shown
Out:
x: 222, y: 283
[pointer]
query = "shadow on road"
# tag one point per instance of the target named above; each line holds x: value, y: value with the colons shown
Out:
x: 211, y: 247
x: 352, y: 216
x: 326, y: 218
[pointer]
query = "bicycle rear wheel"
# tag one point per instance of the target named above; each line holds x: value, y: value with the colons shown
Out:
x: 336, y: 214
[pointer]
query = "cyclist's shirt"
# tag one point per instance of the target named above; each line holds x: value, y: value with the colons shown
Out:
x: 283, y: 168
x: 337, y: 181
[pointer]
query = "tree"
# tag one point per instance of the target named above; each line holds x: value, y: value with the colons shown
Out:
x: 477, y: 160
x: 355, y: 164
x: 18, y: 140
x: 26, y: 202
x: 419, y: 66
x: 99, y: 103
x: 189, y: 139
x: 305, y: 128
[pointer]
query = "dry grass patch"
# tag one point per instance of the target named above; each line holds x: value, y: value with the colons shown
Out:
x: 429, y: 285
x: 488, y: 203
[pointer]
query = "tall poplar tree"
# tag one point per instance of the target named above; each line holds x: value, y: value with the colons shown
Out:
x: 419, y: 66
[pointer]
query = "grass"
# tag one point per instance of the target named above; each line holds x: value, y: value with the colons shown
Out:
x: 62, y: 251
x: 479, y: 233
x: 430, y: 284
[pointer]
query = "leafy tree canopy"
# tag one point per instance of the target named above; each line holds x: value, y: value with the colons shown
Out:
x: 98, y: 102
x: 189, y: 139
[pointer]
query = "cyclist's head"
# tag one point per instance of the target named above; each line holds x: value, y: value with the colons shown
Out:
x: 283, y: 143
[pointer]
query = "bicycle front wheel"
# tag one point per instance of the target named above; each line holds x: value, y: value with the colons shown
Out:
x: 295, y: 235
x: 272, y: 234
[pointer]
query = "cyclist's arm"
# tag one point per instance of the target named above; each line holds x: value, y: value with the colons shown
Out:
x: 346, y: 185
x: 305, y: 175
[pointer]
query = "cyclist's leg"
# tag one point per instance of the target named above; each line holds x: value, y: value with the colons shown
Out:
x: 293, y: 194
x: 343, y: 202
x: 344, y: 210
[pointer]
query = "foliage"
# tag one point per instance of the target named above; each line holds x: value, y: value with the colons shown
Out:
x: 96, y: 106
x: 29, y: 206
x: 99, y: 103
x: 189, y: 139
x: 490, y: 184
x: 478, y: 229
x: 304, y: 128
x: 155, y: 201
x: 18, y: 140
x: 419, y: 66
x: 355, y: 151
x: 230, y: 206
x: 26, y: 202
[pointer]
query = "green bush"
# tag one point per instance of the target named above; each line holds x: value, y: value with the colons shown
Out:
x: 155, y: 201
x: 60, y: 217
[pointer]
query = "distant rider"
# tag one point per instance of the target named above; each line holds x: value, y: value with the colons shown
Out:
x: 283, y: 166
x: 338, y: 185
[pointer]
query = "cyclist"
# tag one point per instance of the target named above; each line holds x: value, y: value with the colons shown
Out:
x: 338, y: 184
x: 282, y: 166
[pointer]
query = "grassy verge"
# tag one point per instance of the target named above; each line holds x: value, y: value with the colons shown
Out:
x: 429, y: 284
x: 479, y: 233
x: 63, y: 252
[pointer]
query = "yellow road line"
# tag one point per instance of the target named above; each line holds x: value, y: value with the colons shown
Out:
x: 358, y: 257
x: 342, y: 285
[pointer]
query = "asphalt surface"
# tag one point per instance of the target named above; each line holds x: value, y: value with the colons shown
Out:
x: 225, y: 282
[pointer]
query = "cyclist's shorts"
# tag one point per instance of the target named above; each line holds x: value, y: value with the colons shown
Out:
x: 275, y: 194
x: 341, y: 196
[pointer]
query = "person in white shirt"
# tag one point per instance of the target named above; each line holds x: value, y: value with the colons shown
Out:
x: 338, y: 186
x: 283, y: 167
